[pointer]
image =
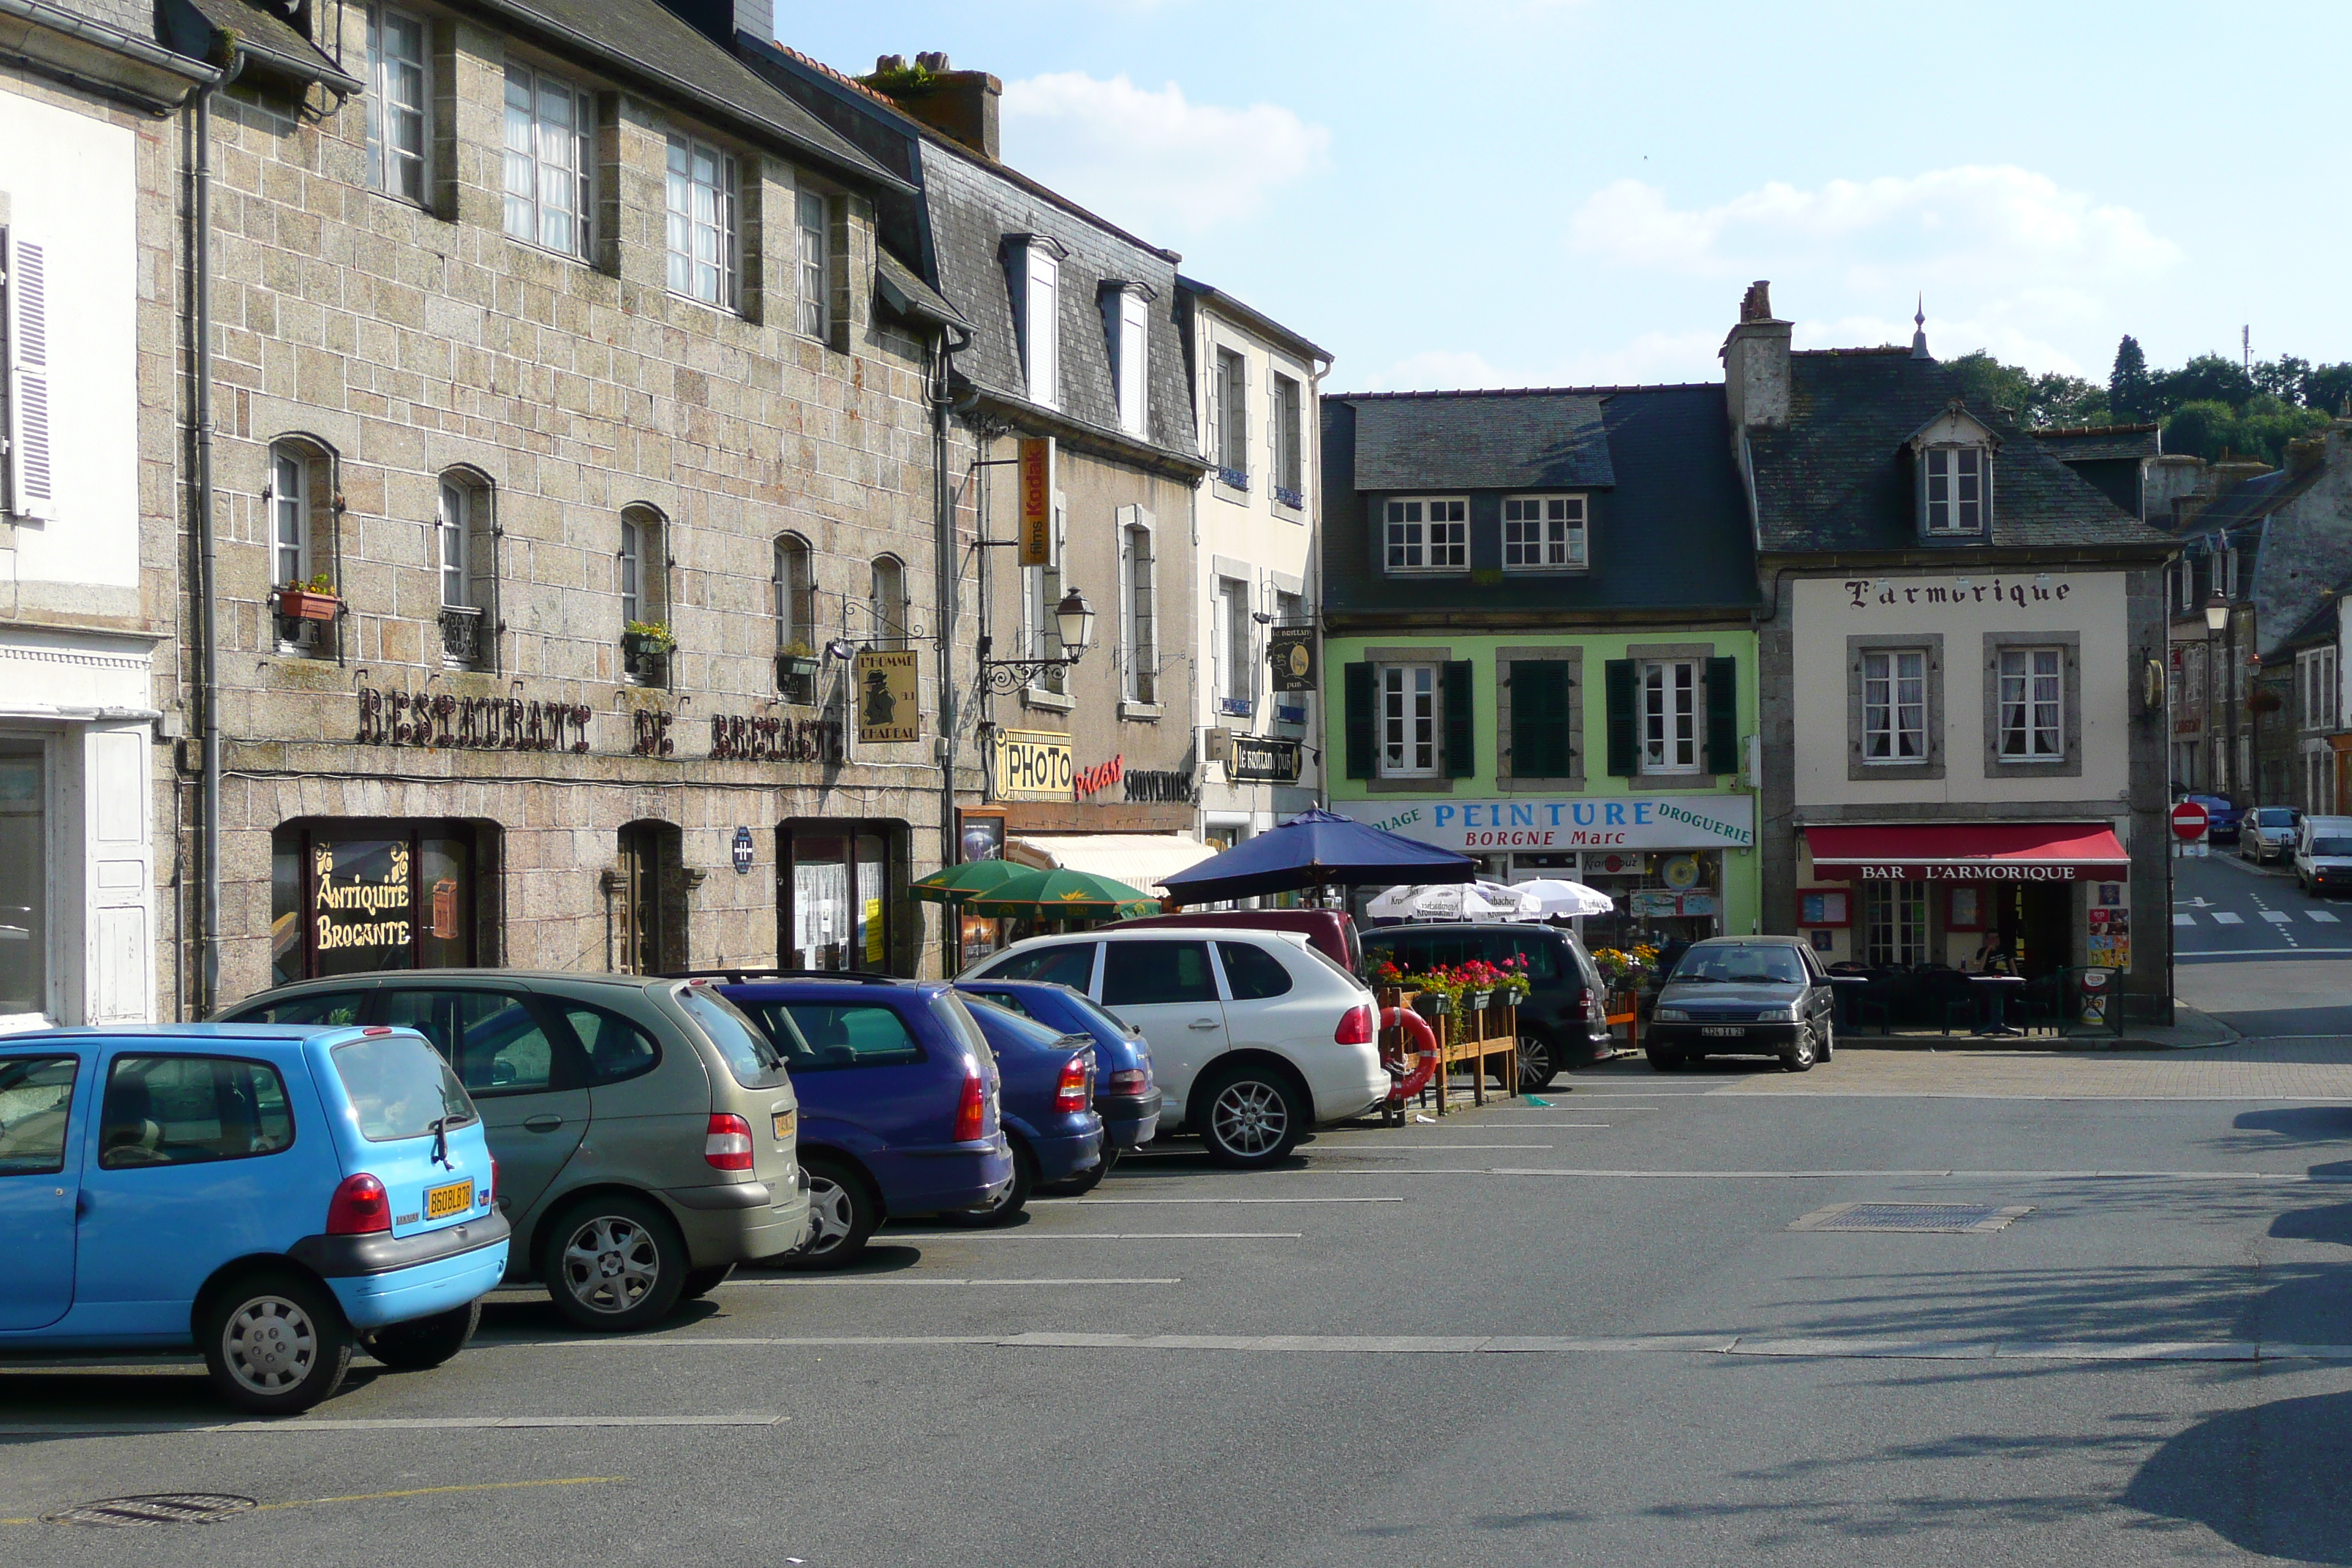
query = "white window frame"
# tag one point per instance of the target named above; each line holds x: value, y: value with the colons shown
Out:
x: 1425, y: 533
x: 1409, y: 739
x: 1289, y: 439
x: 702, y: 234
x: 1133, y: 351
x: 25, y: 440
x: 1669, y: 717
x: 1233, y: 415
x: 2229, y: 574
x: 453, y: 540
x: 534, y: 173
x: 291, y: 551
x: 1894, y: 922
x: 1138, y: 628
x: 886, y: 601
x: 639, y: 534
x: 396, y: 169
x: 1041, y: 324
x: 1895, y: 706
x: 1957, y: 492
x: 1544, y: 533
x: 2316, y: 687
x: 1235, y: 677
x: 2035, y: 698
x: 813, y: 252
x: 791, y: 576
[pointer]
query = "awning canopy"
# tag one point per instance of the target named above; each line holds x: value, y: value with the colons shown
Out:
x: 1138, y: 859
x: 1970, y: 852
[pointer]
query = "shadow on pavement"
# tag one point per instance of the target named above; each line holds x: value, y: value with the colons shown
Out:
x: 2276, y: 1479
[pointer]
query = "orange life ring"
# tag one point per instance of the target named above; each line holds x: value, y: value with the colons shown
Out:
x: 1422, y: 1041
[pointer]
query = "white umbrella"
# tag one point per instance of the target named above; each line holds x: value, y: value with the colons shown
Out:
x: 1453, y: 901
x: 1555, y: 897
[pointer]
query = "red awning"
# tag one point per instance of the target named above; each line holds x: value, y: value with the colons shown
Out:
x: 1970, y: 852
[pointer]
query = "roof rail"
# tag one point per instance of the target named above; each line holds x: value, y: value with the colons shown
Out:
x: 745, y: 976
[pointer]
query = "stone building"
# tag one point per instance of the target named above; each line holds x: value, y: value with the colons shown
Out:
x: 88, y: 157
x: 578, y: 589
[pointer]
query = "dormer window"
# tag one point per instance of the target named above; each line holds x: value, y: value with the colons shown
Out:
x: 1037, y: 268
x: 1953, y: 456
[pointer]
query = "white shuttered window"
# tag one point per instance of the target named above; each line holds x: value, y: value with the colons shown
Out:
x: 24, y: 293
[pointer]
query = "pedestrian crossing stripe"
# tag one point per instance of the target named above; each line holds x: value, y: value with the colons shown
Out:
x: 2227, y: 917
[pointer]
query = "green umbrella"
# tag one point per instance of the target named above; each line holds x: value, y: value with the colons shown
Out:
x: 952, y: 883
x: 1061, y: 895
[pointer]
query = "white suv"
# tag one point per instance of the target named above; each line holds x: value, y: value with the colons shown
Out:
x: 1256, y: 1037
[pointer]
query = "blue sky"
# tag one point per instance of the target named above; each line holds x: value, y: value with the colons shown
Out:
x: 1508, y: 193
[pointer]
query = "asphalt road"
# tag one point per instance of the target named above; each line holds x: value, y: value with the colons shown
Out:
x: 2256, y: 951
x: 1576, y: 1333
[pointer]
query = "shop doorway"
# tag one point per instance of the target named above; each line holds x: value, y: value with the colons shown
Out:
x: 2036, y: 923
x: 647, y: 894
x: 841, y: 891
x: 355, y: 897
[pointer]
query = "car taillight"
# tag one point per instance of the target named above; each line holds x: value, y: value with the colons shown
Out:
x: 1129, y: 1080
x: 1355, y: 1028
x: 1070, y: 1092
x: 1584, y: 1007
x: 490, y: 1187
x: 728, y: 1145
x: 360, y: 1207
x: 971, y: 1111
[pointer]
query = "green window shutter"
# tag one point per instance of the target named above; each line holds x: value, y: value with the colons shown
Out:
x: 1624, y: 733
x: 1722, y: 716
x: 1362, y: 745
x: 1539, y: 728
x: 1461, y: 746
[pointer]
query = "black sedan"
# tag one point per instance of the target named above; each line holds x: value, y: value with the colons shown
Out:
x: 1744, y: 995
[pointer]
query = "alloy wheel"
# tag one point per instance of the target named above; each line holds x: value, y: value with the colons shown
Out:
x: 1534, y: 1064
x: 270, y: 1345
x: 831, y: 1216
x: 1249, y: 1117
x: 611, y: 1264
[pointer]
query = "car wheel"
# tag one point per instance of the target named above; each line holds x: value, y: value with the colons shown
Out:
x: 425, y: 1343
x: 1799, y: 1057
x: 1538, y: 1063
x: 1012, y: 1200
x: 842, y: 1213
x: 275, y: 1344
x: 612, y: 1264
x: 1664, y: 1061
x: 701, y: 1282
x: 1251, y: 1116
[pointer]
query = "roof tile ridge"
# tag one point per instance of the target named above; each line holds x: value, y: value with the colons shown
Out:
x: 1528, y: 391
x: 844, y: 78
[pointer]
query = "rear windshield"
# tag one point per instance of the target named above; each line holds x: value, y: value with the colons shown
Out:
x: 1003, y: 1026
x: 751, y: 1055
x: 1101, y: 1018
x: 400, y: 1087
x: 2327, y: 848
x: 1742, y: 966
x: 2274, y: 816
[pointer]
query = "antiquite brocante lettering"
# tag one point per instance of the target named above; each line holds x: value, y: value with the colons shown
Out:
x: 354, y: 912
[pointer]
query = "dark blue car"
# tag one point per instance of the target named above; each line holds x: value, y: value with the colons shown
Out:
x: 2221, y: 818
x: 898, y: 1104
x: 1127, y: 1097
x: 1048, y: 1104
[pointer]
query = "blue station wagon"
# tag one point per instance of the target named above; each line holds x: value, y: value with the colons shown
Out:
x: 268, y: 1196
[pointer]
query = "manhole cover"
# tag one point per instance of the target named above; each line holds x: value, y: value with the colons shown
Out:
x: 157, y: 1508
x: 1947, y: 1218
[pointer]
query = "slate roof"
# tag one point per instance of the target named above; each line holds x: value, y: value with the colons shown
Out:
x: 2319, y: 627
x: 2300, y: 559
x: 2098, y: 443
x: 195, y: 27
x: 1839, y: 478
x: 1554, y: 441
x: 909, y: 295
x: 2251, y: 501
x: 1258, y: 320
x: 1668, y: 530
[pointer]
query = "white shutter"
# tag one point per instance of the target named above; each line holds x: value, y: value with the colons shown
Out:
x: 24, y: 263
x: 118, y: 876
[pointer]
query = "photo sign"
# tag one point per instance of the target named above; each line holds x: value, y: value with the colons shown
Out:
x: 887, y: 688
x: 1590, y: 821
x: 1033, y: 764
x: 1037, y: 542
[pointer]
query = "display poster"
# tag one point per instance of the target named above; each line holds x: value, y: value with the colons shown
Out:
x: 1290, y: 655
x: 820, y: 906
x: 887, y: 683
x: 1038, y: 542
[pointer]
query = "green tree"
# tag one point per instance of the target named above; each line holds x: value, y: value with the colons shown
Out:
x: 2130, y: 395
x: 2284, y: 377
x: 2210, y: 428
x: 2208, y: 378
x: 2204, y: 428
x: 2326, y: 387
x: 2036, y: 402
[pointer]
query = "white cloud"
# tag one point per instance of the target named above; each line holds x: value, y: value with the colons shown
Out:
x: 1155, y: 161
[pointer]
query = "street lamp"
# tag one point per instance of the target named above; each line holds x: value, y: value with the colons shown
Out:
x: 1074, y: 619
x: 2217, y: 611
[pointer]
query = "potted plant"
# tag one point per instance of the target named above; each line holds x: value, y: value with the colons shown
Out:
x: 313, y: 601
x: 1388, y: 989
x: 641, y: 640
x: 1439, y: 992
x: 796, y: 661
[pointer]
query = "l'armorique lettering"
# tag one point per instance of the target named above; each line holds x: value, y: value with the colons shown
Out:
x: 1869, y: 591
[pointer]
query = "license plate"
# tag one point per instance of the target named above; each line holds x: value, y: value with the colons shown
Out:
x: 786, y: 1120
x: 1725, y: 1032
x: 455, y: 1197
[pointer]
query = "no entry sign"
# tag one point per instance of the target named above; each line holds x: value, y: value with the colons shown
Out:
x: 2189, y: 820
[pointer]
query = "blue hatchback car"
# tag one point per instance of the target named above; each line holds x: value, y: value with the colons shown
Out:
x: 270, y: 1197
x: 1048, y: 1100
x: 899, y: 1103
x: 1127, y: 1097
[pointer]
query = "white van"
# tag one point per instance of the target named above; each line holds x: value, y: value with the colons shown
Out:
x: 2323, y: 854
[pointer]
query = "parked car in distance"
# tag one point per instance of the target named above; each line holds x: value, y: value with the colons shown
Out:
x: 1045, y: 1100
x: 645, y: 1129
x: 1744, y: 995
x: 1126, y: 1096
x: 2323, y: 854
x: 2267, y: 833
x: 1332, y: 931
x: 2221, y: 817
x: 1257, y: 1037
x: 1564, y: 1018
x: 899, y: 1103
x: 267, y: 1197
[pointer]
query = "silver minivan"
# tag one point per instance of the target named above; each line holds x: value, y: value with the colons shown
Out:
x: 2323, y: 854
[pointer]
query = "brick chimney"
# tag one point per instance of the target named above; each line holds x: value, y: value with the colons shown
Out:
x: 1756, y: 364
x: 720, y: 20
x: 961, y: 105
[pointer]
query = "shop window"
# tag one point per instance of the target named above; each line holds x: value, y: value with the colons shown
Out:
x: 793, y: 584
x: 843, y: 882
x: 647, y: 894
x: 886, y: 603
x: 24, y: 882
x: 640, y: 573
x: 364, y: 897
x: 300, y: 504
x: 1893, y: 924
x: 1139, y: 634
x: 463, y: 552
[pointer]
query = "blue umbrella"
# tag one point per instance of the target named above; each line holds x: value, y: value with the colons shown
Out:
x: 1314, y: 850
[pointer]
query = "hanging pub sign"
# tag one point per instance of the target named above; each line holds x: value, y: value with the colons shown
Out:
x: 1036, y: 470
x: 886, y: 684
x: 1262, y: 759
x: 1033, y: 764
x: 1290, y: 651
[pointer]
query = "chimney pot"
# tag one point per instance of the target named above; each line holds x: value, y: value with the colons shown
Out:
x: 935, y: 62
x: 1756, y: 364
x: 886, y: 64
x: 961, y: 105
x: 1757, y: 306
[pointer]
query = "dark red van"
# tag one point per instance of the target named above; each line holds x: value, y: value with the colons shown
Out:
x: 1331, y: 933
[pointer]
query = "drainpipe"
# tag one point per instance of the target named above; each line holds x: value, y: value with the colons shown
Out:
x: 208, y: 812
x: 943, y: 527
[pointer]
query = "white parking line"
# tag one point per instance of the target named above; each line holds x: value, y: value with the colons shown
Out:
x: 1033, y: 1234
x: 298, y: 1424
x: 1157, y: 1201
x: 917, y: 1279
x: 2283, y: 1176
x: 1438, y: 1148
